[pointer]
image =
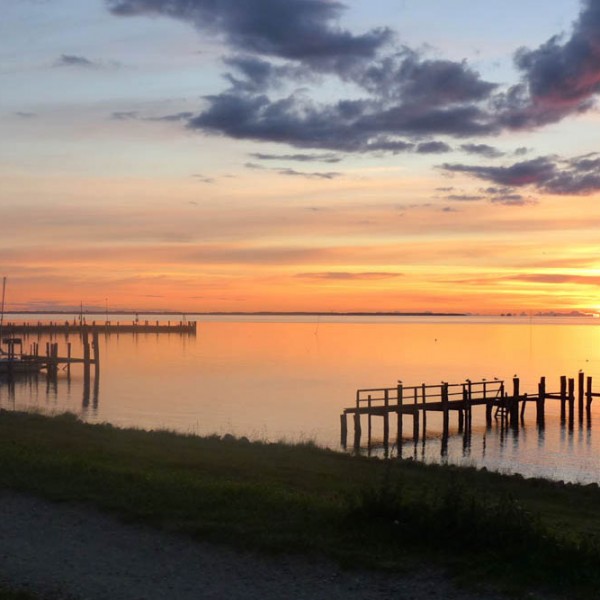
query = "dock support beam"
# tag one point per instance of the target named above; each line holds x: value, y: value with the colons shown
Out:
x: 514, y: 404
x: 344, y: 430
x: 541, y: 403
x: 399, y: 433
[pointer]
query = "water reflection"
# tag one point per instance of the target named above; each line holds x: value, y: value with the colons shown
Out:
x: 273, y: 379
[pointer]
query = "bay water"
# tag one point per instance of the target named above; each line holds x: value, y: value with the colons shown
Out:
x: 289, y: 378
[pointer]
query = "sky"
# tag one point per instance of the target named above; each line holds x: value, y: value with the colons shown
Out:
x: 300, y: 155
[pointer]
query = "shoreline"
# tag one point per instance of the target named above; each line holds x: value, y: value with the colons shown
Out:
x: 275, y: 499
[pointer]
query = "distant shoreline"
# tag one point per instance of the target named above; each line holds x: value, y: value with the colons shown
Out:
x: 267, y: 313
x: 240, y: 313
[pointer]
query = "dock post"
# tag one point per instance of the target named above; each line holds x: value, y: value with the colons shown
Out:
x: 580, y: 395
x: 514, y: 404
x: 96, y: 350
x: 86, y: 356
x: 68, y: 359
x: 369, y: 421
x: 469, y: 406
x: 588, y: 403
x: 416, y: 417
x: 399, y: 401
x: 541, y: 403
x: 357, y: 431
x: 465, y: 407
x: 344, y: 430
x: 445, y: 410
x: 386, y: 421
x: 563, y: 399
x: 461, y: 420
x: 424, y: 402
x: 571, y: 397
x: 488, y: 407
x: 523, y: 406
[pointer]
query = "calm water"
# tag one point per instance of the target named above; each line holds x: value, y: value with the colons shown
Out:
x: 290, y: 379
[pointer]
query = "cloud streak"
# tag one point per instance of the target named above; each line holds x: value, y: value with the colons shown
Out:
x: 575, y: 176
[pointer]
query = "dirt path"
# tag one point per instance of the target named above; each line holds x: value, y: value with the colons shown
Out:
x: 62, y: 551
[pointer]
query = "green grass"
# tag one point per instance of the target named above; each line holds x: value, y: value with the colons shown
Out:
x: 274, y: 498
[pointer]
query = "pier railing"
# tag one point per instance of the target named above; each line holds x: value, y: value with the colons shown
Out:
x: 79, y: 327
x: 506, y: 408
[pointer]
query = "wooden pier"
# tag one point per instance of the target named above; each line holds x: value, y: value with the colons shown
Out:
x: 502, y: 406
x: 29, y: 366
x: 108, y: 327
x: 50, y: 360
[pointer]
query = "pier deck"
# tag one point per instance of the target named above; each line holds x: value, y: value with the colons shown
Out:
x: 112, y: 327
x: 461, y: 398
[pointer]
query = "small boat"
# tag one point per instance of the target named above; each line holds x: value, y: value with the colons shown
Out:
x: 12, y: 360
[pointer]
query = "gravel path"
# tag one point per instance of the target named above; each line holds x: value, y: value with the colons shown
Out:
x: 63, y: 551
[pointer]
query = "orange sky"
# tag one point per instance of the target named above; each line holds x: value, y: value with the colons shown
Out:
x: 109, y: 199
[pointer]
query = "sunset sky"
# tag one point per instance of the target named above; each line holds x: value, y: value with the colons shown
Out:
x: 313, y: 155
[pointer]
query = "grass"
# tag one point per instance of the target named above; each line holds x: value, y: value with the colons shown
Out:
x: 516, y: 533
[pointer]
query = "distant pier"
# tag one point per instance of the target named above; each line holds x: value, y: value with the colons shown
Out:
x: 112, y: 327
x: 506, y: 408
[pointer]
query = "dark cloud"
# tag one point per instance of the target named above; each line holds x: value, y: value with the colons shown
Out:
x: 512, y: 200
x: 482, y: 150
x: 576, y: 176
x: 342, y: 275
x: 558, y: 79
x: 433, y: 148
x: 125, y: 115
x: 25, y: 115
x: 327, y: 158
x: 348, y: 125
x: 255, y: 74
x: 181, y: 116
x: 301, y: 30
x: 407, y: 96
x: 69, y: 60
x: 203, y: 178
x: 464, y: 197
x: 402, y: 98
x: 294, y: 173
x: 72, y: 60
x: 315, y: 175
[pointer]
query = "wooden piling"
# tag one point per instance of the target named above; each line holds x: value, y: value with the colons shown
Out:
x: 489, y: 404
x: 399, y: 401
x: 445, y: 419
x: 514, y: 404
x: 96, y: 351
x: 588, y: 393
x: 344, y: 430
x: 563, y: 398
x: 357, y: 431
x: 571, y: 400
x: 86, y: 356
x: 369, y: 420
x: 469, y: 415
x: 416, y: 417
x: 424, y: 404
x: 541, y: 403
x: 580, y: 394
x: 386, y: 421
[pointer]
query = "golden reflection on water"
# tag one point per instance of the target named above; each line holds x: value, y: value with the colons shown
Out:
x: 291, y: 380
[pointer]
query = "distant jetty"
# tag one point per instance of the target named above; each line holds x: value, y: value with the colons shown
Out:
x: 112, y: 327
